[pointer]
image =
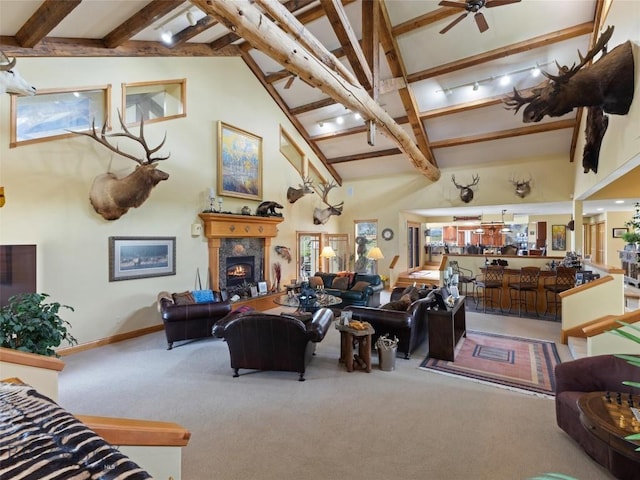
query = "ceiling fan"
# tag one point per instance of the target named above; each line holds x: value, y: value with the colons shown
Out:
x: 473, y: 6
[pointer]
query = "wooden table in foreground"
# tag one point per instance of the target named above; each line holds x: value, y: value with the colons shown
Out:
x: 348, y: 336
x: 446, y: 327
x: 611, y: 421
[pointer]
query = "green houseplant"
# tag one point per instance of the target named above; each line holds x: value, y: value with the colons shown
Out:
x: 29, y: 324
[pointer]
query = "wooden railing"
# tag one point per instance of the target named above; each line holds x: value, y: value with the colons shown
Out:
x: 128, y: 431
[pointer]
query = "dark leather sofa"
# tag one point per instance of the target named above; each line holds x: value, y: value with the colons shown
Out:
x: 186, y: 322
x: 368, y: 296
x: 409, y: 326
x: 594, y: 374
x: 263, y: 341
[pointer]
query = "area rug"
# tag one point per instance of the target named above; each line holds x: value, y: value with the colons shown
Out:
x: 516, y: 363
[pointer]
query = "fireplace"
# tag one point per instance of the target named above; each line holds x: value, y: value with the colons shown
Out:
x: 239, y: 270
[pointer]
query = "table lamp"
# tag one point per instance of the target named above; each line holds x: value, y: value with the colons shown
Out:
x: 327, y: 252
x: 375, y: 254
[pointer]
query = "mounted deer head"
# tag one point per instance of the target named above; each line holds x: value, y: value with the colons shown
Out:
x: 607, y: 84
x: 10, y: 80
x: 523, y: 187
x: 321, y: 215
x: 112, y: 197
x: 295, y: 194
x: 466, y: 193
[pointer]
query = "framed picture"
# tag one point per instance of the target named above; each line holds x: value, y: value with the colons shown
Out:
x: 262, y: 288
x: 141, y: 257
x: 239, y: 163
x: 618, y: 232
x: 558, y: 237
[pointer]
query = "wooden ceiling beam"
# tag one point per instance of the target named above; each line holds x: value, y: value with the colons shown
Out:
x: 346, y: 36
x: 353, y: 131
x: 44, y: 19
x: 310, y: 107
x: 519, y: 47
x: 394, y: 59
x: 76, y: 47
x: 365, y: 156
x: 203, y: 24
x: 138, y: 22
x: 253, y: 66
x: 424, y: 20
x: 264, y: 35
x: 499, y: 135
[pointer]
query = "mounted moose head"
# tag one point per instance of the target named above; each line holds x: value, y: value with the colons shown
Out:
x: 321, y: 215
x: 466, y: 193
x: 606, y: 85
x: 10, y: 80
x: 523, y: 187
x: 295, y: 194
x: 112, y: 197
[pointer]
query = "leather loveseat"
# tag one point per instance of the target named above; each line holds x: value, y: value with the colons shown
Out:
x: 410, y: 326
x: 594, y: 374
x: 263, y: 341
x: 353, y: 290
x: 189, y: 321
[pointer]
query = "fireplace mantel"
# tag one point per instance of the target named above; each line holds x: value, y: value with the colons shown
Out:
x: 221, y: 225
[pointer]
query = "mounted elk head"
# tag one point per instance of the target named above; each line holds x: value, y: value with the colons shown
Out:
x: 466, y: 193
x: 10, y: 80
x: 523, y: 187
x: 321, y: 215
x: 606, y: 84
x: 112, y: 197
x: 295, y: 194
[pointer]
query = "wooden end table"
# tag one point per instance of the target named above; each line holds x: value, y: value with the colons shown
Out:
x: 611, y: 419
x: 348, y: 337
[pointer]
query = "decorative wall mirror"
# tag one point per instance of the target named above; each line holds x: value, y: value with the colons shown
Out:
x: 154, y: 101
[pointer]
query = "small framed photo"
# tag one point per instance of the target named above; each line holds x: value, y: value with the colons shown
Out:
x: 254, y: 291
x: 618, y: 232
x: 262, y: 288
x: 453, y: 290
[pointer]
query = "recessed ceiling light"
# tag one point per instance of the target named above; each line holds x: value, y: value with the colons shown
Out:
x: 619, y: 201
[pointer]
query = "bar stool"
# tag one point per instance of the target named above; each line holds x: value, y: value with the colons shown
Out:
x: 489, y: 281
x: 465, y: 276
x: 527, y: 283
x: 564, y: 279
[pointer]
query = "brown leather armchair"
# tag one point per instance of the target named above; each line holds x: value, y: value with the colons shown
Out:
x: 600, y: 373
x: 186, y: 322
x: 263, y: 341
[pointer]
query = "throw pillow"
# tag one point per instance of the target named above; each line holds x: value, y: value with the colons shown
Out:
x: 315, y: 282
x: 413, y: 292
x: 202, y: 296
x: 360, y: 286
x: 183, y: 298
x: 340, y: 283
x: 400, y: 305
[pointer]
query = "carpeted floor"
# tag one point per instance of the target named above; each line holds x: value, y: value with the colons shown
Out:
x: 517, y: 363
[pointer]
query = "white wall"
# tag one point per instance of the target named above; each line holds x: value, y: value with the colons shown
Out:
x: 47, y: 185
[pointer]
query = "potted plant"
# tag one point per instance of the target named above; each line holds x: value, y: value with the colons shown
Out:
x: 633, y: 235
x: 29, y: 324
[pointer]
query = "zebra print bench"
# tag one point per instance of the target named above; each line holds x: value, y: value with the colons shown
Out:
x: 40, y: 439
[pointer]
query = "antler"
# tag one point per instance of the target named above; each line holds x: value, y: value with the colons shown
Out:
x: 476, y: 179
x: 127, y: 134
x: 453, y: 179
x: 307, y: 183
x: 325, y: 188
x: 566, y: 73
x: 516, y: 101
x: 5, y: 67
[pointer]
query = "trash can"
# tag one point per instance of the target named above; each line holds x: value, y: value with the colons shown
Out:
x: 387, y: 349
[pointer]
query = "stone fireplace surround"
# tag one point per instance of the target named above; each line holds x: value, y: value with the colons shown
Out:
x: 224, y: 232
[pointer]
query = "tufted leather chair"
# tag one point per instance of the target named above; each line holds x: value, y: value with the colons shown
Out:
x: 263, y: 341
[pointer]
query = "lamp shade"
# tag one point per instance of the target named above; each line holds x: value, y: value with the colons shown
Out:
x: 375, y: 254
x: 327, y: 252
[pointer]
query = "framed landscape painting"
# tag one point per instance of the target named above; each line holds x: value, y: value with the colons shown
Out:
x: 239, y: 163
x: 141, y: 257
x: 558, y: 237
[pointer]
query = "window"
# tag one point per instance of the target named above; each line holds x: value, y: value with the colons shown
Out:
x: 413, y: 245
x: 153, y: 101
x: 292, y: 152
x: 51, y: 114
x: 366, y: 232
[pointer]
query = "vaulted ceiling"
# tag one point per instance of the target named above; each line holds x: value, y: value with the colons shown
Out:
x: 437, y: 97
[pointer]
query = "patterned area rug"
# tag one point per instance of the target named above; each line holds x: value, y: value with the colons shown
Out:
x: 516, y: 363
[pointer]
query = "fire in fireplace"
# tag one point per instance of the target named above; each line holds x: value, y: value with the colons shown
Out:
x: 239, y: 270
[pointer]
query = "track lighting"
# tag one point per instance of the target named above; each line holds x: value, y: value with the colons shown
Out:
x: 340, y: 119
x: 167, y: 37
x: 191, y: 19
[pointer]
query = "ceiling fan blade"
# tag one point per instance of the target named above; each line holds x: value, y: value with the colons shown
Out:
x: 498, y: 3
x: 287, y: 85
x: 454, y: 23
x: 445, y: 3
x: 483, y: 26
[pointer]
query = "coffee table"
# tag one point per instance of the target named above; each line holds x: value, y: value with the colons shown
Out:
x: 610, y: 418
x: 294, y: 301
